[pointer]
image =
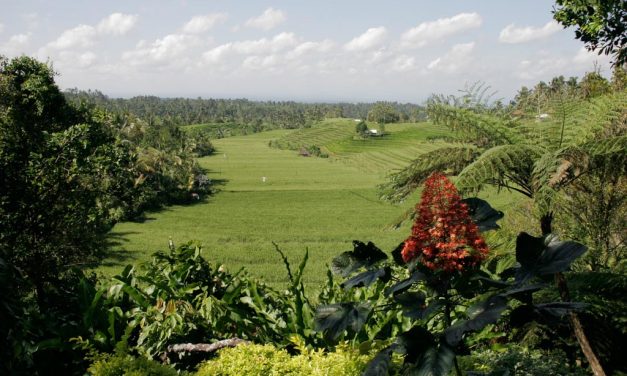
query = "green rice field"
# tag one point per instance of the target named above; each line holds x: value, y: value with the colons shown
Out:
x: 268, y: 195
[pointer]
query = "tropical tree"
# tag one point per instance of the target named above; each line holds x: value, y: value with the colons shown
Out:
x: 383, y: 113
x: 601, y: 25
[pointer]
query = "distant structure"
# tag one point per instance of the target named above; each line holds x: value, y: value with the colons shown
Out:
x: 304, y: 153
x: 357, y: 120
x: 542, y: 117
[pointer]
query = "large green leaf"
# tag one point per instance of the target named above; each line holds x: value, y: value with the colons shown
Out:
x: 405, y: 284
x: 481, y: 314
x: 545, y: 312
x: 412, y: 303
x: 380, y: 364
x: 368, y: 277
x: 334, y: 319
x: 544, y: 256
x: 415, y: 342
x: 482, y: 214
x: 436, y: 361
x: 362, y: 255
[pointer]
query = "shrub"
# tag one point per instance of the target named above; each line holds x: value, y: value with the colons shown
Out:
x: 126, y: 365
x: 520, y: 361
x: 262, y: 360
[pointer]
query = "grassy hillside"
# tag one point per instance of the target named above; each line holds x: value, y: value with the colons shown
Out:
x: 305, y: 203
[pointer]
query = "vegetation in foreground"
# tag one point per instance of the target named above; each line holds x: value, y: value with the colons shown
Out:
x: 442, y: 306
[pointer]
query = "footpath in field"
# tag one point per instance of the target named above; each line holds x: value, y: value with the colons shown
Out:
x: 269, y: 195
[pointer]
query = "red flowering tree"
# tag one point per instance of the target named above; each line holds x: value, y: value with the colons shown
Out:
x: 444, y: 237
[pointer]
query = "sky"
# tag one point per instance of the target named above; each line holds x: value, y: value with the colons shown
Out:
x: 323, y: 50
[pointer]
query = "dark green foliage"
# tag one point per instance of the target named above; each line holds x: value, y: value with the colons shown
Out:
x: 600, y: 25
x: 446, y: 309
x: 361, y: 128
x: 482, y: 214
x: 544, y: 256
x: 334, y: 319
x: 362, y: 256
x: 518, y: 360
x: 368, y: 277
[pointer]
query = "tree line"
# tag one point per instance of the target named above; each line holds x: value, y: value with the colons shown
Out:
x: 253, y: 115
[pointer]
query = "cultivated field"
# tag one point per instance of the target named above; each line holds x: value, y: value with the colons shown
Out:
x: 317, y: 204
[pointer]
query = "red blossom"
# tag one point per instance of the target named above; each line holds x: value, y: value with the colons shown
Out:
x: 443, y: 235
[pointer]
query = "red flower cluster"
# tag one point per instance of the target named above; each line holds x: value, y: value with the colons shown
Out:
x: 443, y: 235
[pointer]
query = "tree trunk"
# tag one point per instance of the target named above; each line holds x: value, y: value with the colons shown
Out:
x: 597, y: 369
x: 562, y: 287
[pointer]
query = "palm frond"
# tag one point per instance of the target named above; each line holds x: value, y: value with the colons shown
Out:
x: 448, y: 159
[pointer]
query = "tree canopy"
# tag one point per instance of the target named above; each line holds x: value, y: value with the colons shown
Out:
x: 601, y: 25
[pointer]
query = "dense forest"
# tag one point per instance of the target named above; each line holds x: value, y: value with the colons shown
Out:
x: 255, y: 115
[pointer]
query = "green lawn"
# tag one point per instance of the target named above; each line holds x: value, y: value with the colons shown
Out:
x: 319, y: 204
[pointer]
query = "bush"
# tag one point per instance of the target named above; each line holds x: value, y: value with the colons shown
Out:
x: 520, y: 361
x: 126, y: 365
x: 262, y: 360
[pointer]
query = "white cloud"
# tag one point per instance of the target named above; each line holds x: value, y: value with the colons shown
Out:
x: 269, y: 19
x: 217, y: 54
x: 512, y: 34
x: 541, y: 68
x: 403, y: 63
x: 373, y: 37
x: 16, y: 45
x: 172, y: 47
x: 117, y: 24
x: 262, y: 46
x: 311, y: 47
x: 587, y: 58
x: 260, y: 62
x: 80, y: 36
x: 428, y: 32
x: 454, y: 60
x: 80, y: 60
x: 83, y: 36
x: 200, y: 24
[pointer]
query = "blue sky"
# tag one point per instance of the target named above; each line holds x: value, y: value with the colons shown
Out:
x: 300, y: 50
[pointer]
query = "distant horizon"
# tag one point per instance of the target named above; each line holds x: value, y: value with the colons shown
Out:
x: 324, y: 52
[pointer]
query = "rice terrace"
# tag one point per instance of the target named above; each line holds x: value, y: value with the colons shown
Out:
x: 313, y: 188
x: 319, y: 204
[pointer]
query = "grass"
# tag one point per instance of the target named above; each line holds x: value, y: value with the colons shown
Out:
x: 305, y: 203
x: 313, y: 204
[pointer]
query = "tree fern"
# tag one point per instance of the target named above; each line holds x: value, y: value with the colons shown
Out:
x: 507, y: 166
x: 480, y: 129
x: 450, y: 159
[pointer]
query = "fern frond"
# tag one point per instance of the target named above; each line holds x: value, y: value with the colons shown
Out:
x: 506, y: 166
x: 447, y: 159
x: 600, y: 117
x: 479, y: 129
x: 552, y: 171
